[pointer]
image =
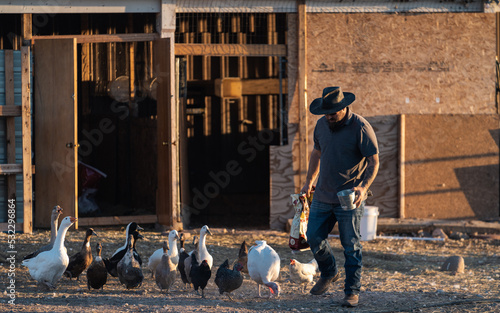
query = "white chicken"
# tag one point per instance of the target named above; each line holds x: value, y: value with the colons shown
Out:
x: 173, y: 253
x: 48, y: 266
x: 264, y: 267
x: 303, y: 273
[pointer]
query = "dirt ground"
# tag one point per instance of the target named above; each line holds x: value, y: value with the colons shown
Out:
x: 399, y: 275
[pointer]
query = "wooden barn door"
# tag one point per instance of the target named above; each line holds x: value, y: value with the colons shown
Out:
x: 168, y: 193
x: 55, y: 109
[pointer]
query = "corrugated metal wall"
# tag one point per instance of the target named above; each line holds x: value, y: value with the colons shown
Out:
x: 3, y: 140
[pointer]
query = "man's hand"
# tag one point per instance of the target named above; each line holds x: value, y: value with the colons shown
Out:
x: 306, y: 189
x: 360, y: 195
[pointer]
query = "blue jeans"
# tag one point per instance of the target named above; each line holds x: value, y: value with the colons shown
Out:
x: 322, y: 219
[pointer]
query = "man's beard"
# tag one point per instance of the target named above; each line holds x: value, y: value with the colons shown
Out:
x: 335, y: 125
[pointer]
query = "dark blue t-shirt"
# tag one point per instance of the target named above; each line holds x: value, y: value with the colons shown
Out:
x: 343, y: 155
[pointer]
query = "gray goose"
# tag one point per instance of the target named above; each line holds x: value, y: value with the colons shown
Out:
x: 54, y: 217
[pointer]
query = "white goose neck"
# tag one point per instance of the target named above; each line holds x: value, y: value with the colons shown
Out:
x: 59, y: 243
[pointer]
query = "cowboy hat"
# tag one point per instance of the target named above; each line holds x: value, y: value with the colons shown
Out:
x: 333, y: 100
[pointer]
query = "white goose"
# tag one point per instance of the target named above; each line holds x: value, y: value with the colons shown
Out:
x: 54, y: 218
x: 48, y: 266
x: 264, y: 267
x: 173, y: 253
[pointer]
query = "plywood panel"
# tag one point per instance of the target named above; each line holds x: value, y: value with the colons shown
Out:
x: 452, y: 166
x: 385, y: 187
x: 55, y: 128
x: 395, y: 64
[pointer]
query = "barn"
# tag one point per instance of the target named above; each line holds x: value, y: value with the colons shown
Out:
x: 190, y: 112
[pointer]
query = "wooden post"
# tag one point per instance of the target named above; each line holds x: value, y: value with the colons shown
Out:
x: 302, y: 86
x: 11, y: 126
x: 402, y: 125
x: 26, y: 136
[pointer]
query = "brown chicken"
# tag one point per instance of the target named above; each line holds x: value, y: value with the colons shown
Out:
x: 243, y: 257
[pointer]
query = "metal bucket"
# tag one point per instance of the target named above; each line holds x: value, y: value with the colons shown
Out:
x: 346, y: 198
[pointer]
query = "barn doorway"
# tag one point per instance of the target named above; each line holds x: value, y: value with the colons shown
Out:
x: 235, y: 104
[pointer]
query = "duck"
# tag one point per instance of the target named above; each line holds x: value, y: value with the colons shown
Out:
x: 54, y: 218
x: 264, y: 267
x: 303, y: 273
x: 166, y: 270
x: 81, y: 260
x: 200, y: 274
x: 183, y: 255
x: 48, y: 266
x: 128, y: 269
x: 112, y: 262
x: 202, y: 248
x: 196, y: 250
x: 243, y: 257
x: 173, y: 253
x: 228, y: 280
x: 131, y: 227
x: 97, y: 275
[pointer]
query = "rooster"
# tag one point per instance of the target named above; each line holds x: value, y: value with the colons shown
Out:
x: 243, y: 257
x: 303, y: 273
x: 228, y: 280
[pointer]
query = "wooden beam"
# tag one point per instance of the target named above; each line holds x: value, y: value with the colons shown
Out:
x: 230, y: 50
x: 117, y: 220
x: 10, y: 110
x: 402, y: 160
x: 26, y: 139
x: 302, y: 89
x: 265, y: 86
x: 27, y: 26
x: 6, y: 169
x: 102, y: 38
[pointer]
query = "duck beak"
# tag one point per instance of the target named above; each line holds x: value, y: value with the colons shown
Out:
x: 209, y: 232
x: 73, y: 219
x: 139, y: 228
x: 94, y: 233
x: 292, y: 262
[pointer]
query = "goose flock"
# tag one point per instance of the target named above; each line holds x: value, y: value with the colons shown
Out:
x: 50, y: 263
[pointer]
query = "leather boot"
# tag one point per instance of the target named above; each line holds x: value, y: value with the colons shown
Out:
x: 323, y: 283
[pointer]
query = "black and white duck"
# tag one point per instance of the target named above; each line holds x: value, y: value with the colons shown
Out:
x: 81, y: 260
x: 119, y: 253
x: 48, y: 266
x: 54, y: 218
x: 128, y: 269
x: 97, y: 275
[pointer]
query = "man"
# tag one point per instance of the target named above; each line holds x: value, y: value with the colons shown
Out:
x: 345, y: 156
